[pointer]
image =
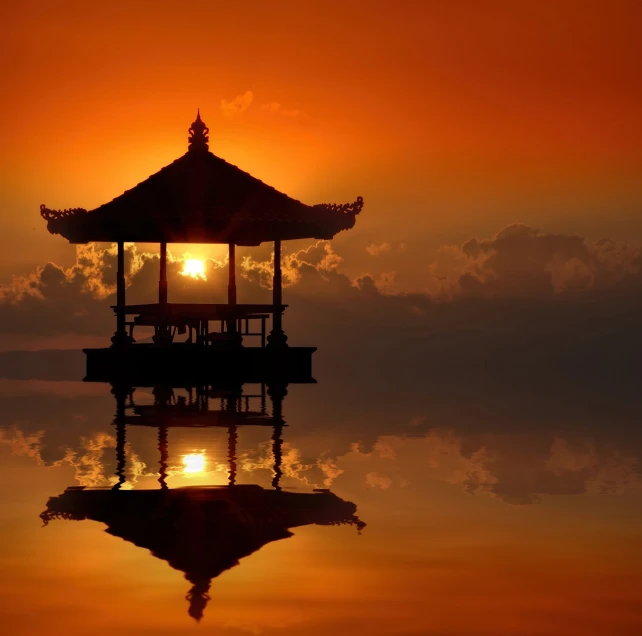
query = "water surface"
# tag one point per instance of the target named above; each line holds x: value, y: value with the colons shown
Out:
x: 464, y: 504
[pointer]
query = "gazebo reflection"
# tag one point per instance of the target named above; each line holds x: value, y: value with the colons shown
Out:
x: 201, y: 530
x: 195, y: 410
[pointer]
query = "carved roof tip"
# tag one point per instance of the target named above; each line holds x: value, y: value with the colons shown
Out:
x: 198, y: 134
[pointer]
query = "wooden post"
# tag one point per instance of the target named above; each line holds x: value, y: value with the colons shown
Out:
x: 120, y: 337
x: 231, y: 288
x: 162, y: 281
x: 163, y: 334
x: 277, y: 339
x: 277, y: 293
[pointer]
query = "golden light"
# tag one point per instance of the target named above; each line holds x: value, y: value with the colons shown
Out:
x: 195, y: 268
x: 194, y: 463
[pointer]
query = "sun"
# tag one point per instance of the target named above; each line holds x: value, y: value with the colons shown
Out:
x: 194, y: 463
x: 195, y: 268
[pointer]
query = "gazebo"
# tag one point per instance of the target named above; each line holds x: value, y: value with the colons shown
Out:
x: 199, y: 198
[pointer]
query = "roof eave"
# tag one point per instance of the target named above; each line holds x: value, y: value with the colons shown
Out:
x: 319, y: 222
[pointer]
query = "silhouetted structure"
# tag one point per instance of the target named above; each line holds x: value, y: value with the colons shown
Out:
x: 200, y: 198
x: 201, y: 531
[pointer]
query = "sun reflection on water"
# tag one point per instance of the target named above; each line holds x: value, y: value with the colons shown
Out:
x: 194, y: 463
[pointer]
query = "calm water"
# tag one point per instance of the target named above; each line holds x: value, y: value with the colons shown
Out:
x: 493, y: 504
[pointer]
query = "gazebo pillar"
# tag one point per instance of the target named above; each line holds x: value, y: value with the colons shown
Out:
x: 163, y: 330
x: 277, y: 339
x: 231, y: 289
x: 162, y: 280
x: 120, y: 337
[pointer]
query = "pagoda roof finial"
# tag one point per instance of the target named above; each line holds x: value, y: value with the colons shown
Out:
x: 198, y: 134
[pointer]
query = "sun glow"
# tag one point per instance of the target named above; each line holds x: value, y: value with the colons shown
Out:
x: 195, y: 268
x: 194, y: 463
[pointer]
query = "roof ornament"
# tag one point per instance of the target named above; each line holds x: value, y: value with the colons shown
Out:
x: 342, y: 208
x: 49, y: 215
x: 198, y: 134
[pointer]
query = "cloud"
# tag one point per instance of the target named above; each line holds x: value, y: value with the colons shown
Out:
x: 521, y: 261
x: 85, y: 459
x: 88, y: 465
x: 528, y: 468
x: 94, y: 273
x: 603, y: 470
x: 24, y: 445
x: 384, y: 449
x: 438, y: 454
x: 237, y: 105
x: 375, y: 249
x: 276, y: 108
x: 319, y: 258
x: 377, y: 480
x: 329, y: 468
x: 517, y: 467
x: 53, y: 300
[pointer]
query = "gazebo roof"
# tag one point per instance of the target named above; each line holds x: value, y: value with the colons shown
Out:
x: 200, y: 198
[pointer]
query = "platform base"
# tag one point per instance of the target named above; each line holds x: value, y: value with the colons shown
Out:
x: 149, y: 364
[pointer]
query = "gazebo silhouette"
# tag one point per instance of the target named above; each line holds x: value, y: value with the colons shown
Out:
x: 200, y: 198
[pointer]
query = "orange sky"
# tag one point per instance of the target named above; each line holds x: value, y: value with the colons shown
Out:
x: 451, y: 119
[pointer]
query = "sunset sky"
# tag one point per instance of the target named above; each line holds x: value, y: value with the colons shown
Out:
x: 452, y: 120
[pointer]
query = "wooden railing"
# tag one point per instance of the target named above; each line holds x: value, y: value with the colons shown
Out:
x: 170, y: 320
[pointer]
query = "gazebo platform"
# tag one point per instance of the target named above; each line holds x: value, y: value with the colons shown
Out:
x: 184, y: 361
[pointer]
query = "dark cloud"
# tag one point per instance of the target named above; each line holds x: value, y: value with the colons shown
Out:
x: 522, y: 262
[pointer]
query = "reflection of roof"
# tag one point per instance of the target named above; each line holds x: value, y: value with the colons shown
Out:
x: 200, y: 198
x: 202, y: 531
